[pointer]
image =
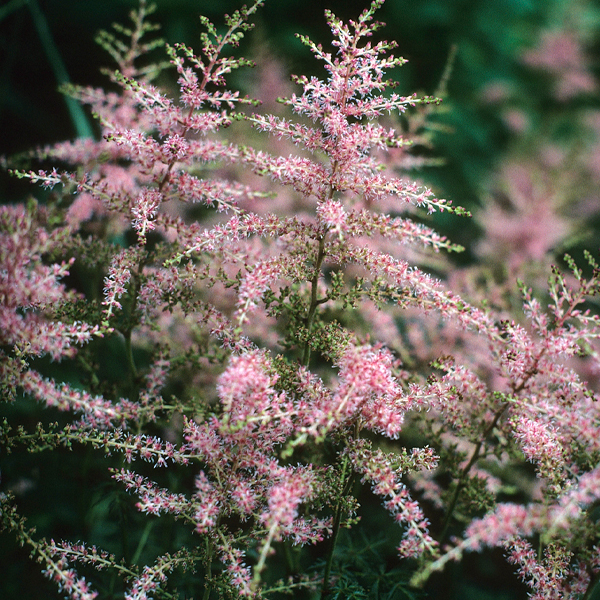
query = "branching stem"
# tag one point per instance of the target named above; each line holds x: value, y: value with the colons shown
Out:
x: 314, y: 301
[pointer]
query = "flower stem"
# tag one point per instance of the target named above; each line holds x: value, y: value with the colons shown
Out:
x: 336, y: 528
x: 461, y: 480
x: 314, y: 302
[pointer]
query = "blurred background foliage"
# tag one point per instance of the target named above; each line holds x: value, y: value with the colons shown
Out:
x: 497, y: 108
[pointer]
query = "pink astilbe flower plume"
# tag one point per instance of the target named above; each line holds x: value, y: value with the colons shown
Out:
x: 29, y: 287
x: 275, y: 335
x: 221, y: 274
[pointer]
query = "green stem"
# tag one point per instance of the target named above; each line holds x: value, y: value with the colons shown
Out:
x: 142, y: 542
x: 461, y: 480
x: 314, y: 302
x: 207, y: 586
x: 336, y: 529
x: 129, y: 354
x: 135, y: 287
x: 460, y: 484
x: 289, y: 558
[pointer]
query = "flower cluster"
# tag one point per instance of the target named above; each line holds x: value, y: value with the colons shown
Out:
x: 278, y: 353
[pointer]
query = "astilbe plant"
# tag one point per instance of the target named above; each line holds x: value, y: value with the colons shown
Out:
x: 269, y: 325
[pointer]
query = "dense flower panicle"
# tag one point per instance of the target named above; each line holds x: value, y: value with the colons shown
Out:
x: 541, y: 446
x: 153, y: 500
x: 254, y: 340
x: 68, y: 581
x: 155, y: 381
x: 333, y: 216
x: 368, y: 391
x: 464, y: 400
x: 547, y: 577
x: 239, y: 572
x: 152, y: 578
x: 246, y: 388
x: 254, y: 284
x: 97, y: 412
x: 230, y: 448
x: 549, y: 413
x: 352, y: 90
x: 115, y: 283
x: 376, y: 469
x: 146, y: 138
x: 144, y: 211
x: 284, y: 499
x: 29, y: 288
